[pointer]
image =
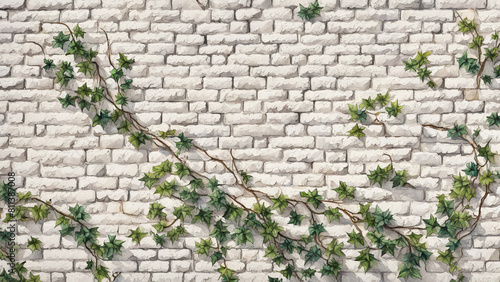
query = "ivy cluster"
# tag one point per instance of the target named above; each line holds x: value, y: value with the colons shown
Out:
x: 419, y: 65
x: 310, y: 12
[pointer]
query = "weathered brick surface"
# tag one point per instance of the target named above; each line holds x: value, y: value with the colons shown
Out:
x: 250, y: 76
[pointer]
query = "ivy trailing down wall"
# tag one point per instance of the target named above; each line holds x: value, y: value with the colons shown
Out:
x: 235, y: 221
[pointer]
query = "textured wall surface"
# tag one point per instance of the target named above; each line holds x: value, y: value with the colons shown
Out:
x: 253, y: 77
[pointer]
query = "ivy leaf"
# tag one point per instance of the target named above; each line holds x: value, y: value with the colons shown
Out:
x: 216, y: 257
x: 116, y: 74
x: 496, y: 70
x: 453, y: 244
x: 160, y: 226
x: 331, y: 268
x: 204, y: 215
x: 125, y: 62
x: 220, y: 232
x: 90, y: 264
x: 86, y: 235
x: 270, y: 230
x: 67, y: 101
x: 138, y: 138
x: 149, y: 179
x: 189, y: 195
x: 242, y: 235
x: 446, y: 257
x: 101, y: 118
x: 423, y: 73
x: 312, y: 197
x: 112, y: 247
x: 159, y: 239
x: 310, y: 12
x: 84, y: 104
x: 408, y: 270
x: 288, y: 271
x: 262, y: 210
x: 366, y: 260
x: 75, y: 48
x: 251, y: 221
x: 457, y: 131
x: 486, y: 79
x: 445, y: 207
x: 34, y: 244
x: 332, y: 214
x: 156, y: 210
x: 379, y: 175
x: 280, y: 203
x: 287, y: 245
x: 357, y: 131
x: 245, y: 177
x: 137, y: 235
x: 175, y: 233
x: 357, y: 114
x: 203, y: 247
x: 78, y: 213
x: 313, y: 254
x: 469, y: 64
x: 49, y: 64
x: 388, y: 245
x: 486, y: 178
x: 183, y: 143
x: 101, y: 272
x: 218, y: 199
x: 126, y: 86
x: 334, y: 248
x: 394, y: 109
x: 493, y: 119
x: 486, y: 153
x: 412, y: 259
x: 382, y: 218
x: 85, y: 67
x: 197, y: 183
x: 59, y: 40
x: 90, y: 54
x: 316, y: 229
x: 421, y: 58
x: 84, y: 91
x: 462, y: 188
x: 491, y: 54
x: 78, y: 31
x: 183, y: 211
x: 295, y: 218
x: 355, y: 239
x: 121, y: 99
x: 39, y: 212
x: 116, y: 114
x: 124, y: 127
x: 447, y: 230
x: 400, y: 179
x: 368, y: 104
x: 344, y: 191
x: 471, y: 170
x: 308, y: 273
x: 431, y: 225
x: 271, y: 252
x: 233, y: 212
x: 213, y: 184
x: 97, y: 95
x: 466, y: 25
x: 476, y: 42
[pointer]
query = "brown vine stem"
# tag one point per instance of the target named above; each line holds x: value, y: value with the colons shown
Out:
x: 109, y: 48
x: 58, y: 211
x: 41, y: 47
x: 70, y: 31
x: 474, y: 225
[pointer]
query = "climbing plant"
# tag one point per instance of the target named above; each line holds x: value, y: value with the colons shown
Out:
x: 202, y: 198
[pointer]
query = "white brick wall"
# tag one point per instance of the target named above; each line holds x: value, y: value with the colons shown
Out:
x: 247, y: 75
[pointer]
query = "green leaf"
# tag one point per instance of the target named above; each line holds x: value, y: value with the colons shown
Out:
x: 312, y: 197
x: 183, y: 211
x: 316, y: 229
x: 400, y: 179
x: 421, y: 58
x: 233, y: 212
x: 183, y: 143
x: 156, y: 210
x: 116, y: 74
x: 160, y: 225
x: 446, y: 257
x: 112, y: 247
x: 355, y: 239
x: 308, y: 273
x: 39, y: 212
x: 471, y: 170
x: 379, y: 175
x: 125, y: 62
x: 445, y: 207
x: 486, y: 153
x: 288, y: 271
x: 220, y: 232
x: 287, y: 245
x: 175, y: 233
x: 149, y: 179
x: 76, y: 48
x: 431, y: 225
x: 218, y: 199
x: 189, y: 195
x: 332, y: 214
x: 344, y: 191
x: 197, y: 183
x: 310, y: 12
x: 496, y: 70
x: 466, y: 26
x: 271, y: 251
x: 169, y: 132
x: 163, y: 168
x: 216, y: 256
x: 49, y: 64
x: 453, y: 244
x: 457, y: 131
x: 85, y: 67
x: 408, y: 270
x: 84, y: 104
x: 97, y: 95
x: 138, y: 138
x: 313, y: 254
x: 295, y: 218
x: 78, y: 213
x: 462, y: 188
x: 334, y: 248
x: 460, y: 219
x: 126, y: 86
x: 242, y: 235
x: 357, y: 131
x: 67, y: 101
x: 137, y: 235
x: 83, y: 91
x: 469, y: 64
x: 124, y: 127
x: 394, y: 109
x: 382, y: 218
x: 280, y: 203
x: 262, y: 210
x: 486, y: 178
x: 78, y: 31
x: 423, y: 73
x: 34, y: 244
x: 448, y: 229
x: 101, y: 272
x: 90, y: 54
x: 86, y: 235
x: 203, y: 247
x: 493, y: 119
x: 101, y: 118
x: 121, y: 99
x: 357, y: 114
x: 412, y: 259
x: 366, y: 260
x: 159, y: 239
x: 486, y: 79
x: 270, y: 230
x: 213, y: 184
x: 476, y: 43
x: 491, y: 54
x: 116, y: 114
x: 59, y: 40
x: 331, y: 268
x: 368, y: 104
